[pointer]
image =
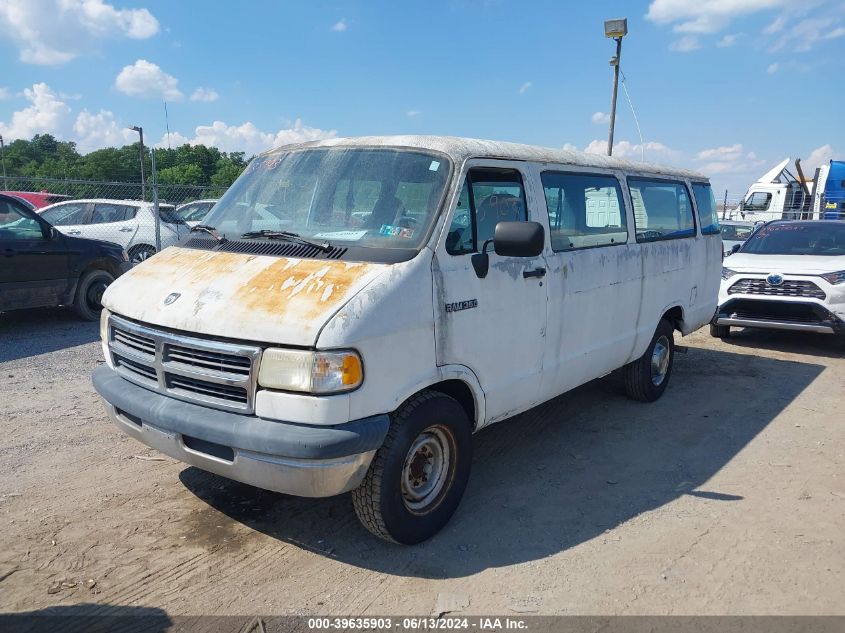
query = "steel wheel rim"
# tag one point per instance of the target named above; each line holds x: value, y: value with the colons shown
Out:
x: 660, y: 361
x: 427, y: 470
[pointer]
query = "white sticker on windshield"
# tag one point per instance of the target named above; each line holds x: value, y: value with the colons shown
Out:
x: 340, y: 235
x: 435, y: 165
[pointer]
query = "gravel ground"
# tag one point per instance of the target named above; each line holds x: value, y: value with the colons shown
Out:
x: 725, y: 497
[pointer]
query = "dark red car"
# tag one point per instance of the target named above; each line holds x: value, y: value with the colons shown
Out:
x: 37, y: 199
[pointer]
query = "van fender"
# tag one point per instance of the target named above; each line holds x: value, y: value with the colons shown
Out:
x: 452, y: 372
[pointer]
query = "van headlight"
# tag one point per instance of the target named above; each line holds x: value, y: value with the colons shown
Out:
x: 310, y: 372
x: 834, y: 278
x: 727, y: 273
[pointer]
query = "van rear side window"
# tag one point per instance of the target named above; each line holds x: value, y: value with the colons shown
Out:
x: 662, y: 209
x: 708, y: 215
x: 585, y: 210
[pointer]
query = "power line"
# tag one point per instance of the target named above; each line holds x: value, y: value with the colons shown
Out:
x: 636, y: 121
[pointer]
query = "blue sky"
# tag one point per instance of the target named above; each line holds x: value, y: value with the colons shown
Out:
x: 727, y: 87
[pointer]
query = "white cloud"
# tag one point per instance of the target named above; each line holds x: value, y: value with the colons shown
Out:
x: 685, y: 44
x: 340, y: 26
x: 704, y: 16
x: 412, y: 113
x: 173, y: 139
x: 525, y: 87
x: 95, y: 131
x: 147, y: 80
x: 728, y: 40
x: 5, y: 94
x: 46, y: 114
x: 204, y: 94
x: 652, y: 150
x: 727, y: 152
x: 773, y: 68
x: 818, y: 157
x: 53, y: 32
x: 803, y: 35
x: 600, y: 117
x: 247, y: 137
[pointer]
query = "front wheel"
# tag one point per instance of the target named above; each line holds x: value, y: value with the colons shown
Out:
x: 139, y: 254
x: 419, y: 474
x: 720, y: 331
x: 647, y: 377
x: 89, y: 294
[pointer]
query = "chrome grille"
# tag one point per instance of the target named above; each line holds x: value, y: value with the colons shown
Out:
x: 213, y: 373
x: 789, y: 288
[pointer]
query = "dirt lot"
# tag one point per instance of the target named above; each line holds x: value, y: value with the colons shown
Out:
x: 725, y: 497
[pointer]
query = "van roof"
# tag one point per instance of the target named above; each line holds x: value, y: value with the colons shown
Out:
x: 461, y: 149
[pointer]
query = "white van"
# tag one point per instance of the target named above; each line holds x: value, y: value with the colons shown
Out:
x: 352, y: 310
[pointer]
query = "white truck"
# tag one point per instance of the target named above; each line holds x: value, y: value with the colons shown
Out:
x: 781, y: 195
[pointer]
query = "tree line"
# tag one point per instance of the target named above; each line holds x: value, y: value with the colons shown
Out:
x: 47, y: 157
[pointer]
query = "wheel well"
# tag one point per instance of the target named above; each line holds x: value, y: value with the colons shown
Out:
x: 461, y: 392
x: 101, y: 264
x: 675, y: 316
x: 140, y: 246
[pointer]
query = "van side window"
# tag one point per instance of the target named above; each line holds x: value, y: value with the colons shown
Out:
x: 662, y: 209
x: 708, y: 216
x: 489, y: 196
x: 584, y: 210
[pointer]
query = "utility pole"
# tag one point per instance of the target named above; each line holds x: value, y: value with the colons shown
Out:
x: 3, y: 156
x: 615, y: 29
x: 140, y: 132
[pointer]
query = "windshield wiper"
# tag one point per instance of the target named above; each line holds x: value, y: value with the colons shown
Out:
x: 205, y: 228
x: 288, y: 236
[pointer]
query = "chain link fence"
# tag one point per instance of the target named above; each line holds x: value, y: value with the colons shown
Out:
x: 142, y: 217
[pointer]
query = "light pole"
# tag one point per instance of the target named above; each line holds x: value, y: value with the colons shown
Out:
x: 615, y: 29
x: 140, y: 132
x: 3, y: 156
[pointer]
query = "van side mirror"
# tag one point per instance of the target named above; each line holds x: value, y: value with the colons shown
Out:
x: 735, y: 248
x: 519, y: 239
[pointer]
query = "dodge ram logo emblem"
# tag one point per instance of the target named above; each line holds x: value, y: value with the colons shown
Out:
x: 171, y: 298
x: 774, y: 279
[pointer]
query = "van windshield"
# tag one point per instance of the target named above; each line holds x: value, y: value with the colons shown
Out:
x: 378, y: 198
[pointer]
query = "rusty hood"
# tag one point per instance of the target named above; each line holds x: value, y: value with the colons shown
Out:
x: 249, y: 297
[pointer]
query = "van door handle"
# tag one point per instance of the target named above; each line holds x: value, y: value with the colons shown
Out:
x: 74, y: 232
x: 537, y: 272
x: 126, y: 229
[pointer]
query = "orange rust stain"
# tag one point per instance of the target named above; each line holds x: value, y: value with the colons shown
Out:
x: 300, y: 289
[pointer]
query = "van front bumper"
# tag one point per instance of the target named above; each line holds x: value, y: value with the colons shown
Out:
x: 296, y: 459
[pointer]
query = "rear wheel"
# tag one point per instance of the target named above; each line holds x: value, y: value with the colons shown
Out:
x: 647, y: 377
x: 720, y: 331
x: 89, y: 294
x: 418, y: 476
x: 138, y: 254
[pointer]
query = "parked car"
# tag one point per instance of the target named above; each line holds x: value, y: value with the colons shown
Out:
x: 41, y: 267
x: 128, y: 223
x: 194, y: 212
x: 789, y: 275
x: 37, y: 199
x: 734, y: 233
x: 285, y: 346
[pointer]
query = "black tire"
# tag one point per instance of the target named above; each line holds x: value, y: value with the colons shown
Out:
x: 385, y: 502
x: 647, y: 377
x: 720, y: 331
x: 140, y: 253
x: 89, y: 294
